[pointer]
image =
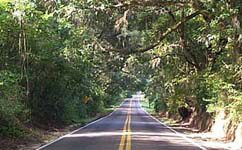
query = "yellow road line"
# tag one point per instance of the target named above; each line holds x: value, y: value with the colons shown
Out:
x: 121, y: 145
x: 126, y: 136
x: 128, y: 145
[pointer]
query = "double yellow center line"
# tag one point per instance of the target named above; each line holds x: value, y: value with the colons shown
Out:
x: 125, y: 142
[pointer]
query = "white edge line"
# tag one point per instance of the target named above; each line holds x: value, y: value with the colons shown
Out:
x: 60, y: 138
x: 178, y: 133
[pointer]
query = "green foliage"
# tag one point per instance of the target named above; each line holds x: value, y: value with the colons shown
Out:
x: 199, y: 64
x: 223, y: 96
x: 12, y: 109
x: 11, y: 94
x: 62, y: 61
x: 49, y: 64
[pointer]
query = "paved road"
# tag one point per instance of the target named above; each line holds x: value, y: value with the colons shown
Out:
x: 129, y: 127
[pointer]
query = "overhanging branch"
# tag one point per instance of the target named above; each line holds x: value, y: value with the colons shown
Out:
x: 162, y: 37
x: 152, y: 3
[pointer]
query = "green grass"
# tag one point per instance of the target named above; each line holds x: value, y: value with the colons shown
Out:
x: 145, y: 104
x: 150, y: 109
x: 104, y: 112
x: 116, y: 104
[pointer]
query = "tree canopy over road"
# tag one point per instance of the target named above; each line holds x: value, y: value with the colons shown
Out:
x: 64, y: 60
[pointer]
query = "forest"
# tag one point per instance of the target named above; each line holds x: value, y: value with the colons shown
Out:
x: 65, y: 60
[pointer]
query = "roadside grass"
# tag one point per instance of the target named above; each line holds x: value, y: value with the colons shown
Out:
x: 150, y: 109
x: 114, y: 105
x: 146, y: 106
x: 105, y: 111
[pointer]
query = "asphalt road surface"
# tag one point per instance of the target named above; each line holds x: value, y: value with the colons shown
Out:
x: 128, y: 128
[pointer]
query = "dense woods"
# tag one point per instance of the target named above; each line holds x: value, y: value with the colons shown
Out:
x: 64, y: 60
x: 50, y: 70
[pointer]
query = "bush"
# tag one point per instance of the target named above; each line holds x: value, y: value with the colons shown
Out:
x: 12, y: 109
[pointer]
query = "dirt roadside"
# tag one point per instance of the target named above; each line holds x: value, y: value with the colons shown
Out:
x: 205, y: 139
